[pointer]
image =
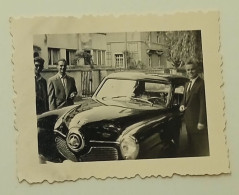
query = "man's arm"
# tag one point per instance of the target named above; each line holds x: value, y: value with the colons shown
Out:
x: 51, y: 95
x: 74, y: 90
x: 46, y: 96
x: 182, y: 105
x: 202, y: 121
x: 74, y: 86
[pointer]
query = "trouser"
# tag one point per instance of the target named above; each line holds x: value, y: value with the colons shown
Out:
x: 198, y: 144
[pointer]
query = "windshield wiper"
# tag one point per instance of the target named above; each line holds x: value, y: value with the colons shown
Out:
x: 141, y: 100
x: 120, y: 96
x: 103, y: 98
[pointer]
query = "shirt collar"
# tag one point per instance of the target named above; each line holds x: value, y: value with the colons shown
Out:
x: 193, y: 80
x: 60, y: 76
x: 38, y: 77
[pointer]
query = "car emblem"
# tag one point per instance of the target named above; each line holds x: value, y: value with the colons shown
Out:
x: 74, y: 141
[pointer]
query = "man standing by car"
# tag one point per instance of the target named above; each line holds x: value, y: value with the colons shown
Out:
x: 61, y: 88
x: 40, y: 87
x: 194, y: 107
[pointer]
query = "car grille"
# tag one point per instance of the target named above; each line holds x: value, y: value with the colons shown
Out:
x: 64, y: 150
x: 100, y: 154
x: 94, y: 154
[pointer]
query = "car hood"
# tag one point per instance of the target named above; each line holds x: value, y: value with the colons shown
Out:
x: 93, y: 111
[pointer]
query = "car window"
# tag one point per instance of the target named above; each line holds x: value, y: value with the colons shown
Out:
x: 179, y: 90
x: 178, y: 95
x: 136, y: 92
x: 158, y: 93
x: 117, y: 88
x: 156, y: 87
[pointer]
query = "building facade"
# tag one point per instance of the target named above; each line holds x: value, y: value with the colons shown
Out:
x: 129, y: 50
x: 93, y: 56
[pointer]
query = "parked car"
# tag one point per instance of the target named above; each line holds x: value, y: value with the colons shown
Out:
x: 130, y: 116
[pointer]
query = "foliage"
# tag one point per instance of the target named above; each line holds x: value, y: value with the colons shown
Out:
x: 131, y: 62
x: 183, y: 46
x: 85, y: 55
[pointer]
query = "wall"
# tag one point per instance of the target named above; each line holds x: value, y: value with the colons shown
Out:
x: 98, y: 41
x: 67, y: 41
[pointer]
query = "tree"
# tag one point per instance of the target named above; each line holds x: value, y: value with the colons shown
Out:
x: 182, y: 47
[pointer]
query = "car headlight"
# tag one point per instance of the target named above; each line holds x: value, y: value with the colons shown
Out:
x: 129, y: 147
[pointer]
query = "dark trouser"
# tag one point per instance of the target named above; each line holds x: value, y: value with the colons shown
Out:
x: 198, y: 143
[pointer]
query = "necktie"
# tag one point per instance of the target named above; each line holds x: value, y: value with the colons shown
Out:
x: 188, y: 89
x: 63, y: 82
x: 189, y: 86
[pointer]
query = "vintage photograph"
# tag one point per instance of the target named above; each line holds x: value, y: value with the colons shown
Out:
x: 120, y: 96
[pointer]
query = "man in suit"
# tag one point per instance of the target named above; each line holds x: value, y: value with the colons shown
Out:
x: 40, y: 87
x: 194, y: 107
x: 61, y: 88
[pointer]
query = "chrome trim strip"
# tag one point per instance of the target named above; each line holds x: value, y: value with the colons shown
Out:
x: 101, y: 147
x: 104, y: 142
x: 60, y: 133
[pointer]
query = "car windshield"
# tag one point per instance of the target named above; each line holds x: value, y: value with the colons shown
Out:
x: 151, y: 93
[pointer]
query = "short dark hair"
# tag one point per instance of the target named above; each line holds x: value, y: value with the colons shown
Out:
x: 190, y: 62
x: 62, y: 60
x: 40, y: 60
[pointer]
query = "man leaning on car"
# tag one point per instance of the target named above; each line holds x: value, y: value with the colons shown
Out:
x: 194, y: 107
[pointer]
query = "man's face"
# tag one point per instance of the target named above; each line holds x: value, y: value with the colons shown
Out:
x: 38, y: 68
x: 61, y: 68
x: 191, y: 70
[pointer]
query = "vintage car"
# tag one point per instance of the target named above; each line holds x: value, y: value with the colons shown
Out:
x: 130, y: 116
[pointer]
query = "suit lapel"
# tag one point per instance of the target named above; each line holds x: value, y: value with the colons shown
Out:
x: 192, y: 89
x: 61, y: 85
x: 68, y: 85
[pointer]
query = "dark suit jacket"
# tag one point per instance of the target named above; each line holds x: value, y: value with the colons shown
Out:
x: 58, y: 95
x: 41, y: 95
x: 196, y: 106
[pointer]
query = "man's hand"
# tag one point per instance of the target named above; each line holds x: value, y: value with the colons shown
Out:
x: 72, y: 95
x: 182, y: 108
x: 200, y: 126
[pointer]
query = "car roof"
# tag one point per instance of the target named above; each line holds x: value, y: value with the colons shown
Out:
x: 148, y: 76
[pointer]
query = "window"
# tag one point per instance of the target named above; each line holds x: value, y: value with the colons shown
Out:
x: 95, y: 56
x: 70, y: 56
x: 119, y: 60
x: 99, y: 57
x: 158, y: 39
x: 150, y: 62
x: 53, y: 56
x: 103, y: 57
